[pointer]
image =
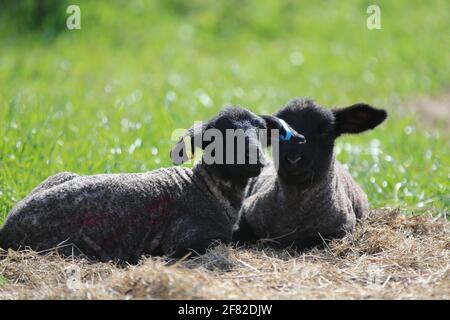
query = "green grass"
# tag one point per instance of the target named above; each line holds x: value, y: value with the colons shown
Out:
x: 107, y: 98
x: 3, y: 280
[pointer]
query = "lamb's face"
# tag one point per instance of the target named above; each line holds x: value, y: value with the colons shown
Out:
x: 231, y: 142
x: 305, y: 164
x: 243, y: 153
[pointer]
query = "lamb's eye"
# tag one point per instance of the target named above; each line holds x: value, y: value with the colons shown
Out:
x: 323, y: 132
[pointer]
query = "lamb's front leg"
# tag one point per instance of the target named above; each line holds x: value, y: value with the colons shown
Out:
x: 195, y: 234
x: 196, y: 247
x: 318, y: 241
x: 242, y: 232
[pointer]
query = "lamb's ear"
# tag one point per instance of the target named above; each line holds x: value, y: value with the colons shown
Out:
x: 286, y: 132
x: 271, y: 122
x: 357, y: 118
x: 185, y: 148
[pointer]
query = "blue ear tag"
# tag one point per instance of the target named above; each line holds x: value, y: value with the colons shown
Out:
x: 289, y: 134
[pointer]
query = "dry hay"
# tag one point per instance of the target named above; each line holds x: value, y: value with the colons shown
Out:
x: 390, y: 256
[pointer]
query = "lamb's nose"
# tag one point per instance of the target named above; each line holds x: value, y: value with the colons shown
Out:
x: 294, y: 158
x: 300, y: 138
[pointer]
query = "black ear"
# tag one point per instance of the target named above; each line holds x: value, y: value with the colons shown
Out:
x: 285, y: 130
x: 271, y: 122
x: 185, y: 148
x: 357, y: 118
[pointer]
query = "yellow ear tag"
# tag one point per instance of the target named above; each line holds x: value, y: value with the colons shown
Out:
x: 188, y: 146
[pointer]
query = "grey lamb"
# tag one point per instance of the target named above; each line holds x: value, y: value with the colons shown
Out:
x: 120, y: 217
x: 311, y: 197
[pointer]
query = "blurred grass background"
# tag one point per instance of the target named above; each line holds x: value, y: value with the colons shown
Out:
x: 106, y: 98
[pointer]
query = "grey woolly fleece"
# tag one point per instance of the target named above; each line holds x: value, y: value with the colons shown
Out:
x: 286, y: 215
x: 122, y: 216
